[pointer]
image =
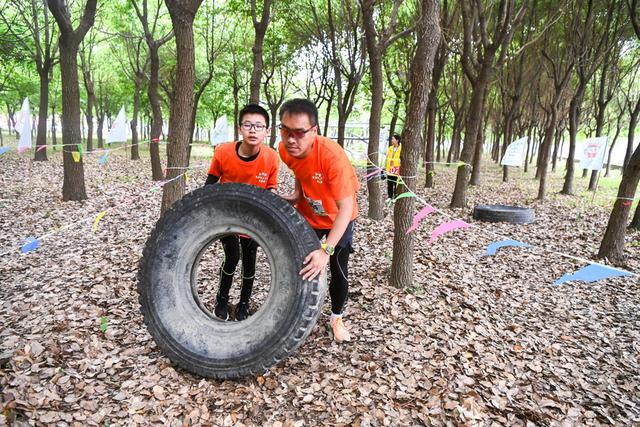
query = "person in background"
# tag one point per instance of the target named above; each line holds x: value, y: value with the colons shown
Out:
x: 393, y: 166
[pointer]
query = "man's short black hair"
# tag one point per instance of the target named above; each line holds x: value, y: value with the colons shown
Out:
x: 300, y: 106
x: 253, y: 109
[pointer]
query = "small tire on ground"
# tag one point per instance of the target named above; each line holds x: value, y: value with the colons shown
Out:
x: 187, y: 332
x: 503, y: 213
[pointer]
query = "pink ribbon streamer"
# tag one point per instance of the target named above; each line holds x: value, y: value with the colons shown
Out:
x: 375, y: 172
x: 446, y: 227
x: 419, y: 217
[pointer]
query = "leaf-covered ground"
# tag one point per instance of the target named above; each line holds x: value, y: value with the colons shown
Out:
x: 475, y: 340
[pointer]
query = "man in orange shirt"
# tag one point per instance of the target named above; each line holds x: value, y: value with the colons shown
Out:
x: 325, y: 194
x: 251, y: 162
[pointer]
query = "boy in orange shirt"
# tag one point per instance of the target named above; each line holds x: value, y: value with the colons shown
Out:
x: 251, y: 162
x: 325, y: 194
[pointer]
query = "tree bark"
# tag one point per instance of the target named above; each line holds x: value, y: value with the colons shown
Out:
x: 260, y: 28
x: 612, y: 246
x: 635, y: 222
x: 73, y: 187
x: 43, y: 108
x: 633, y: 122
x: 182, y: 15
x: 508, y: 125
x: 429, y: 169
x: 545, y: 150
x: 428, y: 37
x: 376, y: 46
x: 91, y: 101
x: 459, y: 198
x: 152, y: 89
x: 135, y: 151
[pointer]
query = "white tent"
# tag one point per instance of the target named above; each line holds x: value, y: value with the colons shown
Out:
x: 118, y: 130
x: 220, y: 132
x: 24, y: 127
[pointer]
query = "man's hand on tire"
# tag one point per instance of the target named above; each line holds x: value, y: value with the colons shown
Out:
x: 314, y: 263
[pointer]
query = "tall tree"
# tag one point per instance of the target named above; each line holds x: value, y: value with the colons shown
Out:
x: 377, y: 42
x: 427, y: 40
x: 447, y: 17
x: 149, y: 27
x: 73, y: 187
x: 345, y: 50
x: 183, y: 13
x: 488, y: 30
x: 138, y: 63
x: 559, y: 68
x: 587, y: 43
x: 260, y: 27
x: 86, y: 64
x: 277, y: 78
x: 34, y: 15
x: 612, y: 245
x: 212, y: 48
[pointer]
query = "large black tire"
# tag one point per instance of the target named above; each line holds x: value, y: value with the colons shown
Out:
x: 184, y: 330
x: 503, y: 213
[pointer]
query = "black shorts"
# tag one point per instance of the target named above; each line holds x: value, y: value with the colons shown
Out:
x: 346, y: 241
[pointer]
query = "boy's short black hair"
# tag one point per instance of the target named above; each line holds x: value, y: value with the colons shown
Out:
x: 300, y: 106
x: 253, y: 109
x: 397, y: 137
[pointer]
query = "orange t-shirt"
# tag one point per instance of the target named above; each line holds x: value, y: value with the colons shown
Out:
x: 261, y: 171
x: 325, y: 175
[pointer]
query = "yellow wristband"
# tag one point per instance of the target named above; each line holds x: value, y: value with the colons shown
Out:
x: 330, y: 250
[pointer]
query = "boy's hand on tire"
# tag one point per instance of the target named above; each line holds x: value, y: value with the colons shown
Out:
x: 314, y: 263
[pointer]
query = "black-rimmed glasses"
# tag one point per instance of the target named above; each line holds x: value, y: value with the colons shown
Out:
x: 257, y: 126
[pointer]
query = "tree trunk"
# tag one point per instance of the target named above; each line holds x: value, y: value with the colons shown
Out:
x: 272, y: 138
x: 454, y: 151
x: 459, y: 198
x: 73, y: 187
x: 236, y: 107
x: 508, y: 125
x: 613, y: 143
x: 135, y: 151
x: 375, y: 61
x: 545, y: 150
x: 394, y: 118
x: 529, y: 149
x: 428, y: 37
x: 89, y: 117
x: 612, y: 246
x: 633, y: 122
x: 635, y: 222
x: 260, y: 28
x: 429, y: 169
x: 100, y: 130
x: 442, y: 122
x: 574, y: 120
x: 182, y: 15
x: 556, y: 147
x: 43, y: 108
x: 156, y: 113
x: 54, y: 131
x: 327, y: 116
x: 342, y: 123
x: 477, y: 158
